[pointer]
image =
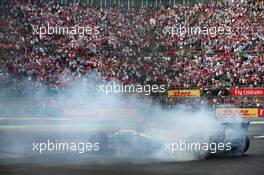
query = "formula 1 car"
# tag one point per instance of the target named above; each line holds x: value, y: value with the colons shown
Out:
x: 132, y: 143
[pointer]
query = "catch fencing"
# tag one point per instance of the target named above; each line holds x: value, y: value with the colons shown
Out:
x: 129, y: 3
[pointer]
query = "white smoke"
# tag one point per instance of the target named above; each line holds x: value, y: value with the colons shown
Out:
x: 103, y: 113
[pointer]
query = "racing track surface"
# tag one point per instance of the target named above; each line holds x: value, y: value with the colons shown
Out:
x: 249, y: 164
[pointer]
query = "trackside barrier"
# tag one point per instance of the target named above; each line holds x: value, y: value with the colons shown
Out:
x: 261, y: 112
x: 184, y: 93
x: 244, y: 112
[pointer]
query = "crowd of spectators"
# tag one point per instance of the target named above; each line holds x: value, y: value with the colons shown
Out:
x: 132, y: 47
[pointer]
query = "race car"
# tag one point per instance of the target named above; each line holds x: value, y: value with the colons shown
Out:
x: 134, y: 144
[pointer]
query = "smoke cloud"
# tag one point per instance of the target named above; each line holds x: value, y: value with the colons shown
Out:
x: 80, y: 114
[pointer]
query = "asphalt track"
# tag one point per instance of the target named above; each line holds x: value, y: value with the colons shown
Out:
x: 249, y: 164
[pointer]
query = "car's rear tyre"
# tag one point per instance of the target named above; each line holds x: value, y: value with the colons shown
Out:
x: 242, y: 148
x: 247, y: 143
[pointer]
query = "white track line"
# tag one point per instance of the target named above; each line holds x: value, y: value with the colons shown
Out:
x: 257, y: 123
x: 259, y: 137
x: 14, y: 118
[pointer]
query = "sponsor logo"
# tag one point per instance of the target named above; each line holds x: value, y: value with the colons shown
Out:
x: 99, y: 113
x: 234, y: 112
x: 261, y: 112
x: 247, y: 92
x: 184, y: 93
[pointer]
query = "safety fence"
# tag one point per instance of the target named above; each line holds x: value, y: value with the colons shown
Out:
x: 127, y: 3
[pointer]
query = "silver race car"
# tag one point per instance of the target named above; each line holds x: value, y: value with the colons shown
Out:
x: 134, y: 143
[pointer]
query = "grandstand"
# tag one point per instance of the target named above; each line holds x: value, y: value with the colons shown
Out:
x: 131, y: 87
x: 134, y: 50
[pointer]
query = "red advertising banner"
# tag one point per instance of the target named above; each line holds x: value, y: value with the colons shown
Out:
x: 261, y: 112
x: 118, y: 112
x: 247, y: 92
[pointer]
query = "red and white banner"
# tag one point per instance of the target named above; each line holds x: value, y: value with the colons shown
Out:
x: 247, y: 92
x: 261, y: 112
x: 119, y: 112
